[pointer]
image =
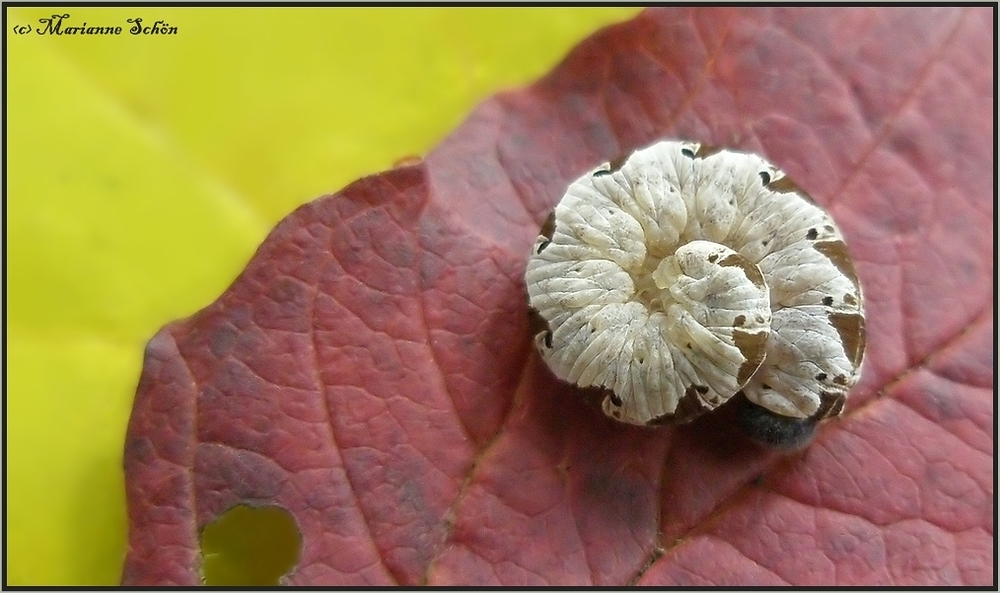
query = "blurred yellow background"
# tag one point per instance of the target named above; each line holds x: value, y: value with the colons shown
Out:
x: 143, y: 171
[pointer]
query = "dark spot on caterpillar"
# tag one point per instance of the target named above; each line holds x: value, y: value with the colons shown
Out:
x: 836, y: 252
x: 689, y: 345
x: 615, y: 165
x: 615, y: 400
x: 840, y: 380
x: 765, y: 177
x: 547, y: 230
x: 828, y: 228
x: 785, y: 185
x: 548, y: 339
x: 765, y: 385
x: 849, y: 299
x: 821, y: 377
x: 619, y: 162
x: 537, y: 323
x: 713, y: 258
x: 811, y: 234
x: 751, y: 271
x: 739, y: 320
x: 688, y: 408
x: 828, y: 300
x: 830, y: 404
x: 851, y: 329
x: 759, y: 319
x: 549, y: 226
x: 687, y: 152
x: 752, y: 347
x: 765, y: 242
x: 641, y: 360
x: 706, y: 150
x: 701, y: 388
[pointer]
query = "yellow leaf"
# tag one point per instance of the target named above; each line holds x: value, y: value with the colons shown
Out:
x: 143, y: 171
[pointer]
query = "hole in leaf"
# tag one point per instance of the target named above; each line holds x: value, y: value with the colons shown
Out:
x: 249, y: 546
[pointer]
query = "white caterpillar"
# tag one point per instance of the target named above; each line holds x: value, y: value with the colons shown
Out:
x: 682, y: 275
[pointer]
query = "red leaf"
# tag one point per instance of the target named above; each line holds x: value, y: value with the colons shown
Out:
x: 371, y: 370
